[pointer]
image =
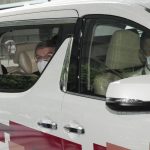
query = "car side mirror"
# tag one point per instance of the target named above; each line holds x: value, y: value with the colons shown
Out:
x: 130, y: 94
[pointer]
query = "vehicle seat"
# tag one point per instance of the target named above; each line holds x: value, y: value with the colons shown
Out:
x: 24, y: 57
x: 27, y: 62
x: 23, y: 47
x: 122, y: 60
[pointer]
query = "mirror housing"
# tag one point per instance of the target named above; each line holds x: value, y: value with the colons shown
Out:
x: 130, y: 94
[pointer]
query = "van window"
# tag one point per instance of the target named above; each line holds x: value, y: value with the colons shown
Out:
x: 18, y: 64
x: 110, y: 50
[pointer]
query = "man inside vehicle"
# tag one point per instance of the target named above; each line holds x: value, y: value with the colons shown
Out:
x: 43, y: 53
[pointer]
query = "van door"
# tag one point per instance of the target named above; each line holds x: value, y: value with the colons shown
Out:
x: 97, y: 59
x: 31, y: 119
x: 30, y: 103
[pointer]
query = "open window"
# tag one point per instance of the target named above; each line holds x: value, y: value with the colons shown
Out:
x: 109, y: 50
x: 18, y: 66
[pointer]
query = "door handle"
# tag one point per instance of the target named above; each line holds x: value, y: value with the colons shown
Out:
x: 49, y: 125
x: 77, y: 130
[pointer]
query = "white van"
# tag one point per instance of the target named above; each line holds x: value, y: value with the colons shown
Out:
x: 94, y: 94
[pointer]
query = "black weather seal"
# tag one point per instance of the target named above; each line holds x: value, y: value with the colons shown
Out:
x: 11, y: 7
x: 147, y: 9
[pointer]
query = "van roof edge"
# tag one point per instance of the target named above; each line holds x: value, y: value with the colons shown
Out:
x: 21, y: 4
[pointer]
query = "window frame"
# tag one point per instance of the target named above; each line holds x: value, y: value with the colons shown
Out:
x: 78, y: 48
x: 25, y: 24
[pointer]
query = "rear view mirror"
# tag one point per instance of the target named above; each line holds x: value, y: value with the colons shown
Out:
x: 131, y: 94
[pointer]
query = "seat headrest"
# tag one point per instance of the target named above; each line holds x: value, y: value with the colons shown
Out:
x: 124, y: 50
x: 27, y: 62
x: 23, y: 47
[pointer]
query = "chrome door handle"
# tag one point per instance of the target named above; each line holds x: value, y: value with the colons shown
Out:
x: 78, y: 130
x: 51, y: 125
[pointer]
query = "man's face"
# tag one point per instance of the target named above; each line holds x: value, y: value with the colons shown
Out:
x: 44, y: 53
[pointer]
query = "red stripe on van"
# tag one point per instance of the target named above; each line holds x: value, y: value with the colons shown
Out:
x: 25, y: 138
x: 115, y: 147
x: 71, y: 146
x: 14, y: 146
x: 109, y: 147
x: 2, y: 138
x: 33, y: 139
x: 99, y: 147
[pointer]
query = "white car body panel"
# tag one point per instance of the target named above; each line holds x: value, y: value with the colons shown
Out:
x: 45, y: 100
x: 102, y: 125
x: 72, y: 8
x: 40, y: 103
